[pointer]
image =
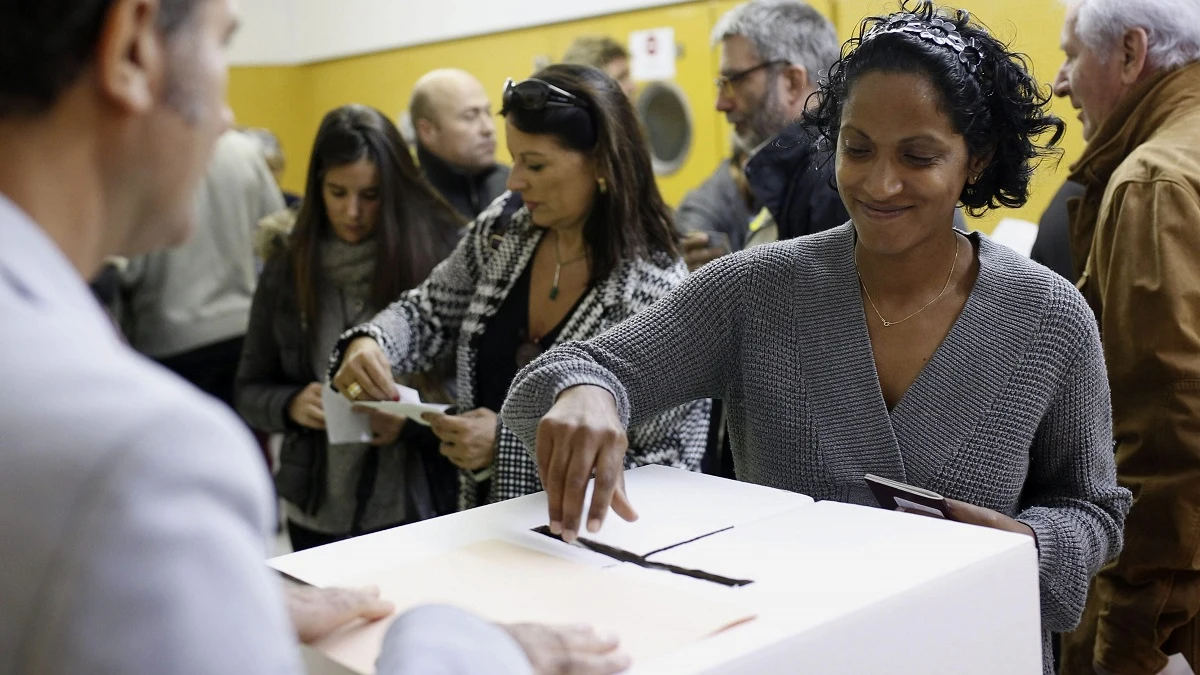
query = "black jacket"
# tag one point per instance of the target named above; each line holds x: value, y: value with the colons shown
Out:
x: 1052, y: 247
x: 789, y: 178
x: 467, y: 194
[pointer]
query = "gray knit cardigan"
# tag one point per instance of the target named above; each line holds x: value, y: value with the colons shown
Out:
x: 1011, y: 413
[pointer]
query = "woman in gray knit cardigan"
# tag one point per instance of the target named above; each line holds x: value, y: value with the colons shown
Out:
x: 891, y: 345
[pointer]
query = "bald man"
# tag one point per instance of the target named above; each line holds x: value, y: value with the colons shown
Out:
x: 456, y: 139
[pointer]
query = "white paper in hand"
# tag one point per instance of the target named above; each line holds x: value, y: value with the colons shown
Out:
x: 342, y: 424
x: 409, y: 405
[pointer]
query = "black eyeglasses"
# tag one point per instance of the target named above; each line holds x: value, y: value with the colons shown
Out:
x: 534, y: 94
x: 725, y: 82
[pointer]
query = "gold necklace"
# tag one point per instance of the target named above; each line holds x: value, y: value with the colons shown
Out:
x: 558, y: 265
x: 926, y: 305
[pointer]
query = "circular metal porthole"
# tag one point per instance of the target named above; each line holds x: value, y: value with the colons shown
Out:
x: 663, y: 109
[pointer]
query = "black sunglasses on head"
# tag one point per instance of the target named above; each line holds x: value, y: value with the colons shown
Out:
x: 534, y: 95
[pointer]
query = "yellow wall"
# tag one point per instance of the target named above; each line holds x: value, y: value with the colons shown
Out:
x: 277, y: 98
x: 385, y: 81
x: 292, y: 100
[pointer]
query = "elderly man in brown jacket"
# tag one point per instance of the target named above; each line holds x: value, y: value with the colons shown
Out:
x: 1133, y: 70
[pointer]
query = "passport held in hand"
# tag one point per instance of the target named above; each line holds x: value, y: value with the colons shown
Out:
x: 892, y: 495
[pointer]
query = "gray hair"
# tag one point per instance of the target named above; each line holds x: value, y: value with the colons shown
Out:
x: 784, y: 30
x: 1172, y: 28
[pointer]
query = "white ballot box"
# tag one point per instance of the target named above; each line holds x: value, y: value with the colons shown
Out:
x: 716, y: 576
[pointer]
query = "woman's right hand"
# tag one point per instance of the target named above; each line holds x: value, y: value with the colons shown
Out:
x: 580, y: 434
x: 366, y: 365
x: 306, y: 408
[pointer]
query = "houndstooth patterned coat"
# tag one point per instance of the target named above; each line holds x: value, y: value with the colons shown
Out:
x: 450, y: 310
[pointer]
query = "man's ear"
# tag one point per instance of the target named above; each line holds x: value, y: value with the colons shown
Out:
x: 1134, y: 50
x: 426, y: 131
x: 798, y: 84
x: 130, y: 59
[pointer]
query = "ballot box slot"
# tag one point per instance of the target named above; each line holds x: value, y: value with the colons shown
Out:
x: 622, y: 555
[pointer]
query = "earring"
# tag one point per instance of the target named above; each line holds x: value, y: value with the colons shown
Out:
x: 603, y: 185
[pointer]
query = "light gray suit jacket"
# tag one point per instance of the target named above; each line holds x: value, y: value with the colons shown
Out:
x: 134, y: 511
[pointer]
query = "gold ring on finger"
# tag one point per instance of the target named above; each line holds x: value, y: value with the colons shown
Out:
x: 354, y: 390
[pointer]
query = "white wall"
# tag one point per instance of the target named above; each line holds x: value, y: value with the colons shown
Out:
x: 266, y: 34
x: 277, y: 32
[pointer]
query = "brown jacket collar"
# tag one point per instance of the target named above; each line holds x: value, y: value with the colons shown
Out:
x: 1144, y: 111
x: 1147, y: 108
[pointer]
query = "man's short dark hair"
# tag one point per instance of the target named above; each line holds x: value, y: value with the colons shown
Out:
x: 46, y: 44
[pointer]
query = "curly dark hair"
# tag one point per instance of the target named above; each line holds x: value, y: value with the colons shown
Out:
x: 987, y: 91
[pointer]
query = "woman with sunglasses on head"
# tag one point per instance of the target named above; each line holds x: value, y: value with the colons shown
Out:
x: 891, y: 345
x: 591, y: 245
x: 370, y: 228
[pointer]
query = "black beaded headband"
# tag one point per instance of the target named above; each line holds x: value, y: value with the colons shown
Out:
x: 937, y: 31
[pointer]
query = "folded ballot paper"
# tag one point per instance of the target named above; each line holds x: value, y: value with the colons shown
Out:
x: 509, y: 583
x: 344, y: 424
x: 409, y: 405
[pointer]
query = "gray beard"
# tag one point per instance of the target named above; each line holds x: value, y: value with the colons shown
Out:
x: 768, y: 119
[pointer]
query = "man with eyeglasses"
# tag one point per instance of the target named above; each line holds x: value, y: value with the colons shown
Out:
x: 772, y: 52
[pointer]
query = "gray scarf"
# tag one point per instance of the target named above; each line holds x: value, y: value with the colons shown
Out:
x: 347, y: 274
